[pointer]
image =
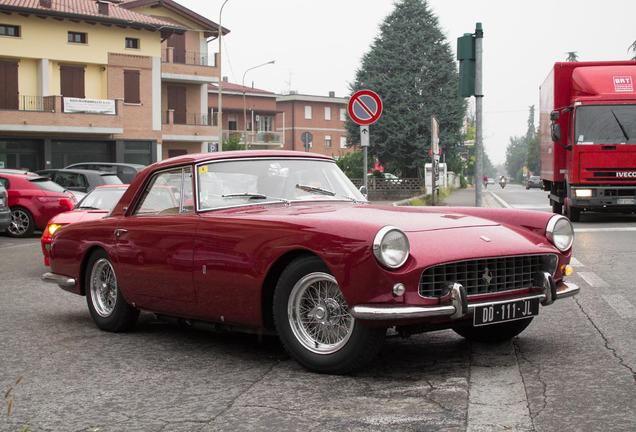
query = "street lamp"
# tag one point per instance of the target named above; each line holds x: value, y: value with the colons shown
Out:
x: 219, y: 114
x: 244, y: 105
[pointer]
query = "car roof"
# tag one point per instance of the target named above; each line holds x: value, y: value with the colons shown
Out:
x: 130, y: 165
x: 29, y: 176
x: 112, y: 186
x: 80, y: 171
x: 17, y: 171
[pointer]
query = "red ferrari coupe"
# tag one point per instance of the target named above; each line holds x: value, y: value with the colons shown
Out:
x: 283, y: 242
x: 95, y: 205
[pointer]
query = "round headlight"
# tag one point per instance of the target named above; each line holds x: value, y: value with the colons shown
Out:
x: 391, y: 247
x: 560, y: 232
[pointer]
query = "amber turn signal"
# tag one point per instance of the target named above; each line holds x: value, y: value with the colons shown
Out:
x: 567, y: 270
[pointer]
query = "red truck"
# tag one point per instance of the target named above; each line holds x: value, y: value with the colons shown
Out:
x: 587, y: 128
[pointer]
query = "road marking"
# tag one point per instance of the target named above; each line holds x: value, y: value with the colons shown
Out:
x: 606, y: 229
x: 14, y: 245
x: 593, y: 279
x: 497, y: 398
x: 621, y: 305
x: 575, y: 263
x: 500, y: 200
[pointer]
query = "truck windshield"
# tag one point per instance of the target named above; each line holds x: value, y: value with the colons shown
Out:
x: 606, y: 124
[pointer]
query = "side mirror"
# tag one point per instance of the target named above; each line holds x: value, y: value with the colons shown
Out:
x: 554, y: 115
x: 556, y: 132
x: 364, y: 191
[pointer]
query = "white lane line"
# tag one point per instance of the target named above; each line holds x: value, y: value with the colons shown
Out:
x: 593, y: 280
x: 500, y: 200
x: 497, y: 400
x: 575, y: 263
x: 606, y: 229
x: 621, y: 305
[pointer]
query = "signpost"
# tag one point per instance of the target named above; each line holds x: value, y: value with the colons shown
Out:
x: 365, y: 108
x: 307, y: 139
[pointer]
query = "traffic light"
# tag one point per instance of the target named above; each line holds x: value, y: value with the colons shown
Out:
x: 466, y: 57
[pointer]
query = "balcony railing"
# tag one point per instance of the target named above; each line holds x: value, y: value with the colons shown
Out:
x: 32, y: 103
x: 255, y: 138
x: 170, y: 55
x: 185, y: 118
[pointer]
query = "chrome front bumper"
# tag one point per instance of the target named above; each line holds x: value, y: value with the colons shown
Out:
x: 459, y: 306
x: 61, y: 280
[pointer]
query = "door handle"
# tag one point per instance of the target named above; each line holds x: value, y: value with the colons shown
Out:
x: 119, y: 231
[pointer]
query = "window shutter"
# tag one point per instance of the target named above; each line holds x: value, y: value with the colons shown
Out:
x: 131, y: 86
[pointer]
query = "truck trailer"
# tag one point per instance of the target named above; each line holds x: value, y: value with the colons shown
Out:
x: 587, y: 128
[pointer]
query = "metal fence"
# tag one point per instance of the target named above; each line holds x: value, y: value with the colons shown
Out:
x: 169, y: 55
x: 381, y: 188
x: 36, y: 103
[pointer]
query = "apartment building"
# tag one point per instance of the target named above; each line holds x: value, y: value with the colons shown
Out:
x: 323, y: 117
x: 249, y: 115
x: 86, y: 80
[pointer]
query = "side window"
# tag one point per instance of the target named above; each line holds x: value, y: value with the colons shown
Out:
x: 4, y: 182
x: 166, y: 194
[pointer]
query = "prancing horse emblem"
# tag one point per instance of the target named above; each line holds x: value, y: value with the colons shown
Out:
x: 487, y: 276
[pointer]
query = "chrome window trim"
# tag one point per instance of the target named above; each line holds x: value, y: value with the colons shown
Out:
x: 138, y: 199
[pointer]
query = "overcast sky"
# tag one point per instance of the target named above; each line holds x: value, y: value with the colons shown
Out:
x: 318, y: 44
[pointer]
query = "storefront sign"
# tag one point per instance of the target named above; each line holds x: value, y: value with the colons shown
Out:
x: 93, y: 106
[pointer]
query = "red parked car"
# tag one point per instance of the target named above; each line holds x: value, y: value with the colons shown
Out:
x: 33, y: 200
x: 282, y: 242
x: 95, y: 205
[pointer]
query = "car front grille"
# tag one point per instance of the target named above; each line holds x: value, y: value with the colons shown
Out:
x: 489, y: 275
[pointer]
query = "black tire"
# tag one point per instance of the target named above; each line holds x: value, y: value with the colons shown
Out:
x: 20, y: 214
x: 358, y: 350
x: 557, y: 207
x: 494, y: 332
x: 572, y: 213
x: 123, y: 316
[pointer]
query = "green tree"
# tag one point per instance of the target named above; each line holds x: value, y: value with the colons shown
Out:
x: 516, y: 157
x: 411, y: 66
x: 351, y: 164
x: 572, y: 56
x: 532, y: 141
x: 233, y: 142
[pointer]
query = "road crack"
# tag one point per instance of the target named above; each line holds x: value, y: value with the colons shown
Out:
x: 544, y: 397
x: 611, y: 349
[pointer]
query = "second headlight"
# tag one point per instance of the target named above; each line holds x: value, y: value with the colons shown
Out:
x: 560, y: 232
x: 391, y: 247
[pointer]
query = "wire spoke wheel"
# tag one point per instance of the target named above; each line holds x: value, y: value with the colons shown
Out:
x: 103, y: 286
x: 318, y: 314
x: 20, y: 222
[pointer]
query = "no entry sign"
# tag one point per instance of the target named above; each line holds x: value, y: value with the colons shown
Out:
x: 365, y: 107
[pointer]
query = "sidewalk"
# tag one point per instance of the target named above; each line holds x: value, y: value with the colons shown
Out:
x: 460, y: 198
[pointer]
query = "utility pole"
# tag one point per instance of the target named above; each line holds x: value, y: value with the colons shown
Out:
x: 479, y: 95
x: 219, y: 115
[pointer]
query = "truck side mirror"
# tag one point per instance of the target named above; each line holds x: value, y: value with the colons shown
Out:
x: 554, y: 115
x: 556, y: 132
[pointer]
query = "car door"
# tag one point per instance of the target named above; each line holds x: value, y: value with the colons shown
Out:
x: 155, y: 244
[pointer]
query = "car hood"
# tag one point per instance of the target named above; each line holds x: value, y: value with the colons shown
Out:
x: 75, y: 216
x: 408, y: 219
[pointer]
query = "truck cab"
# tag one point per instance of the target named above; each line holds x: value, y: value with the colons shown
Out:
x: 588, y: 137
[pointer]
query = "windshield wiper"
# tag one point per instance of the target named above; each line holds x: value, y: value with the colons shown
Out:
x: 255, y: 196
x: 620, y: 125
x: 317, y: 190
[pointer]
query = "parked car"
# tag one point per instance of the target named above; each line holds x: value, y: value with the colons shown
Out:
x: 491, y: 180
x: 125, y: 172
x: 33, y: 200
x: 80, y: 180
x: 283, y: 242
x: 5, y: 212
x: 95, y: 205
x: 534, y: 182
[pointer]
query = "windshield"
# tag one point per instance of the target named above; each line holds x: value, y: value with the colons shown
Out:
x: 46, y: 184
x: 101, y: 199
x: 606, y: 124
x: 231, y: 183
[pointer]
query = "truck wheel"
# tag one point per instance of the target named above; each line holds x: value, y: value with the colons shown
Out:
x: 314, y: 324
x: 494, y: 332
x: 557, y: 207
x: 572, y: 213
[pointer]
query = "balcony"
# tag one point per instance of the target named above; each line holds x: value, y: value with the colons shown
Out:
x: 48, y: 114
x: 188, y: 66
x: 187, y: 126
x: 255, y: 139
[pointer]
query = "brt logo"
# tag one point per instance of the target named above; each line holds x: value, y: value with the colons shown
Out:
x: 623, y: 84
x: 624, y: 174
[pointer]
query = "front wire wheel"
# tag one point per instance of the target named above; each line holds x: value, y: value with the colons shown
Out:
x: 318, y: 314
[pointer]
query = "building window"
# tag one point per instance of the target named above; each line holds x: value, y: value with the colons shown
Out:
x: 9, y: 30
x: 131, y: 86
x: 307, y: 112
x: 327, y: 113
x: 132, y: 43
x: 343, y: 142
x: 327, y: 141
x: 77, y: 37
x: 264, y: 123
x: 343, y: 114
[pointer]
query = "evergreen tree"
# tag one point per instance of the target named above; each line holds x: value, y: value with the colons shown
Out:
x: 632, y: 48
x: 411, y: 66
x: 572, y: 56
x: 516, y: 156
x: 532, y: 141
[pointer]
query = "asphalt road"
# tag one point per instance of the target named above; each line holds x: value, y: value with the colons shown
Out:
x: 571, y: 370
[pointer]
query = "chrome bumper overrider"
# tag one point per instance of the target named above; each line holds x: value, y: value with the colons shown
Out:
x: 459, y: 307
x: 61, y: 280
